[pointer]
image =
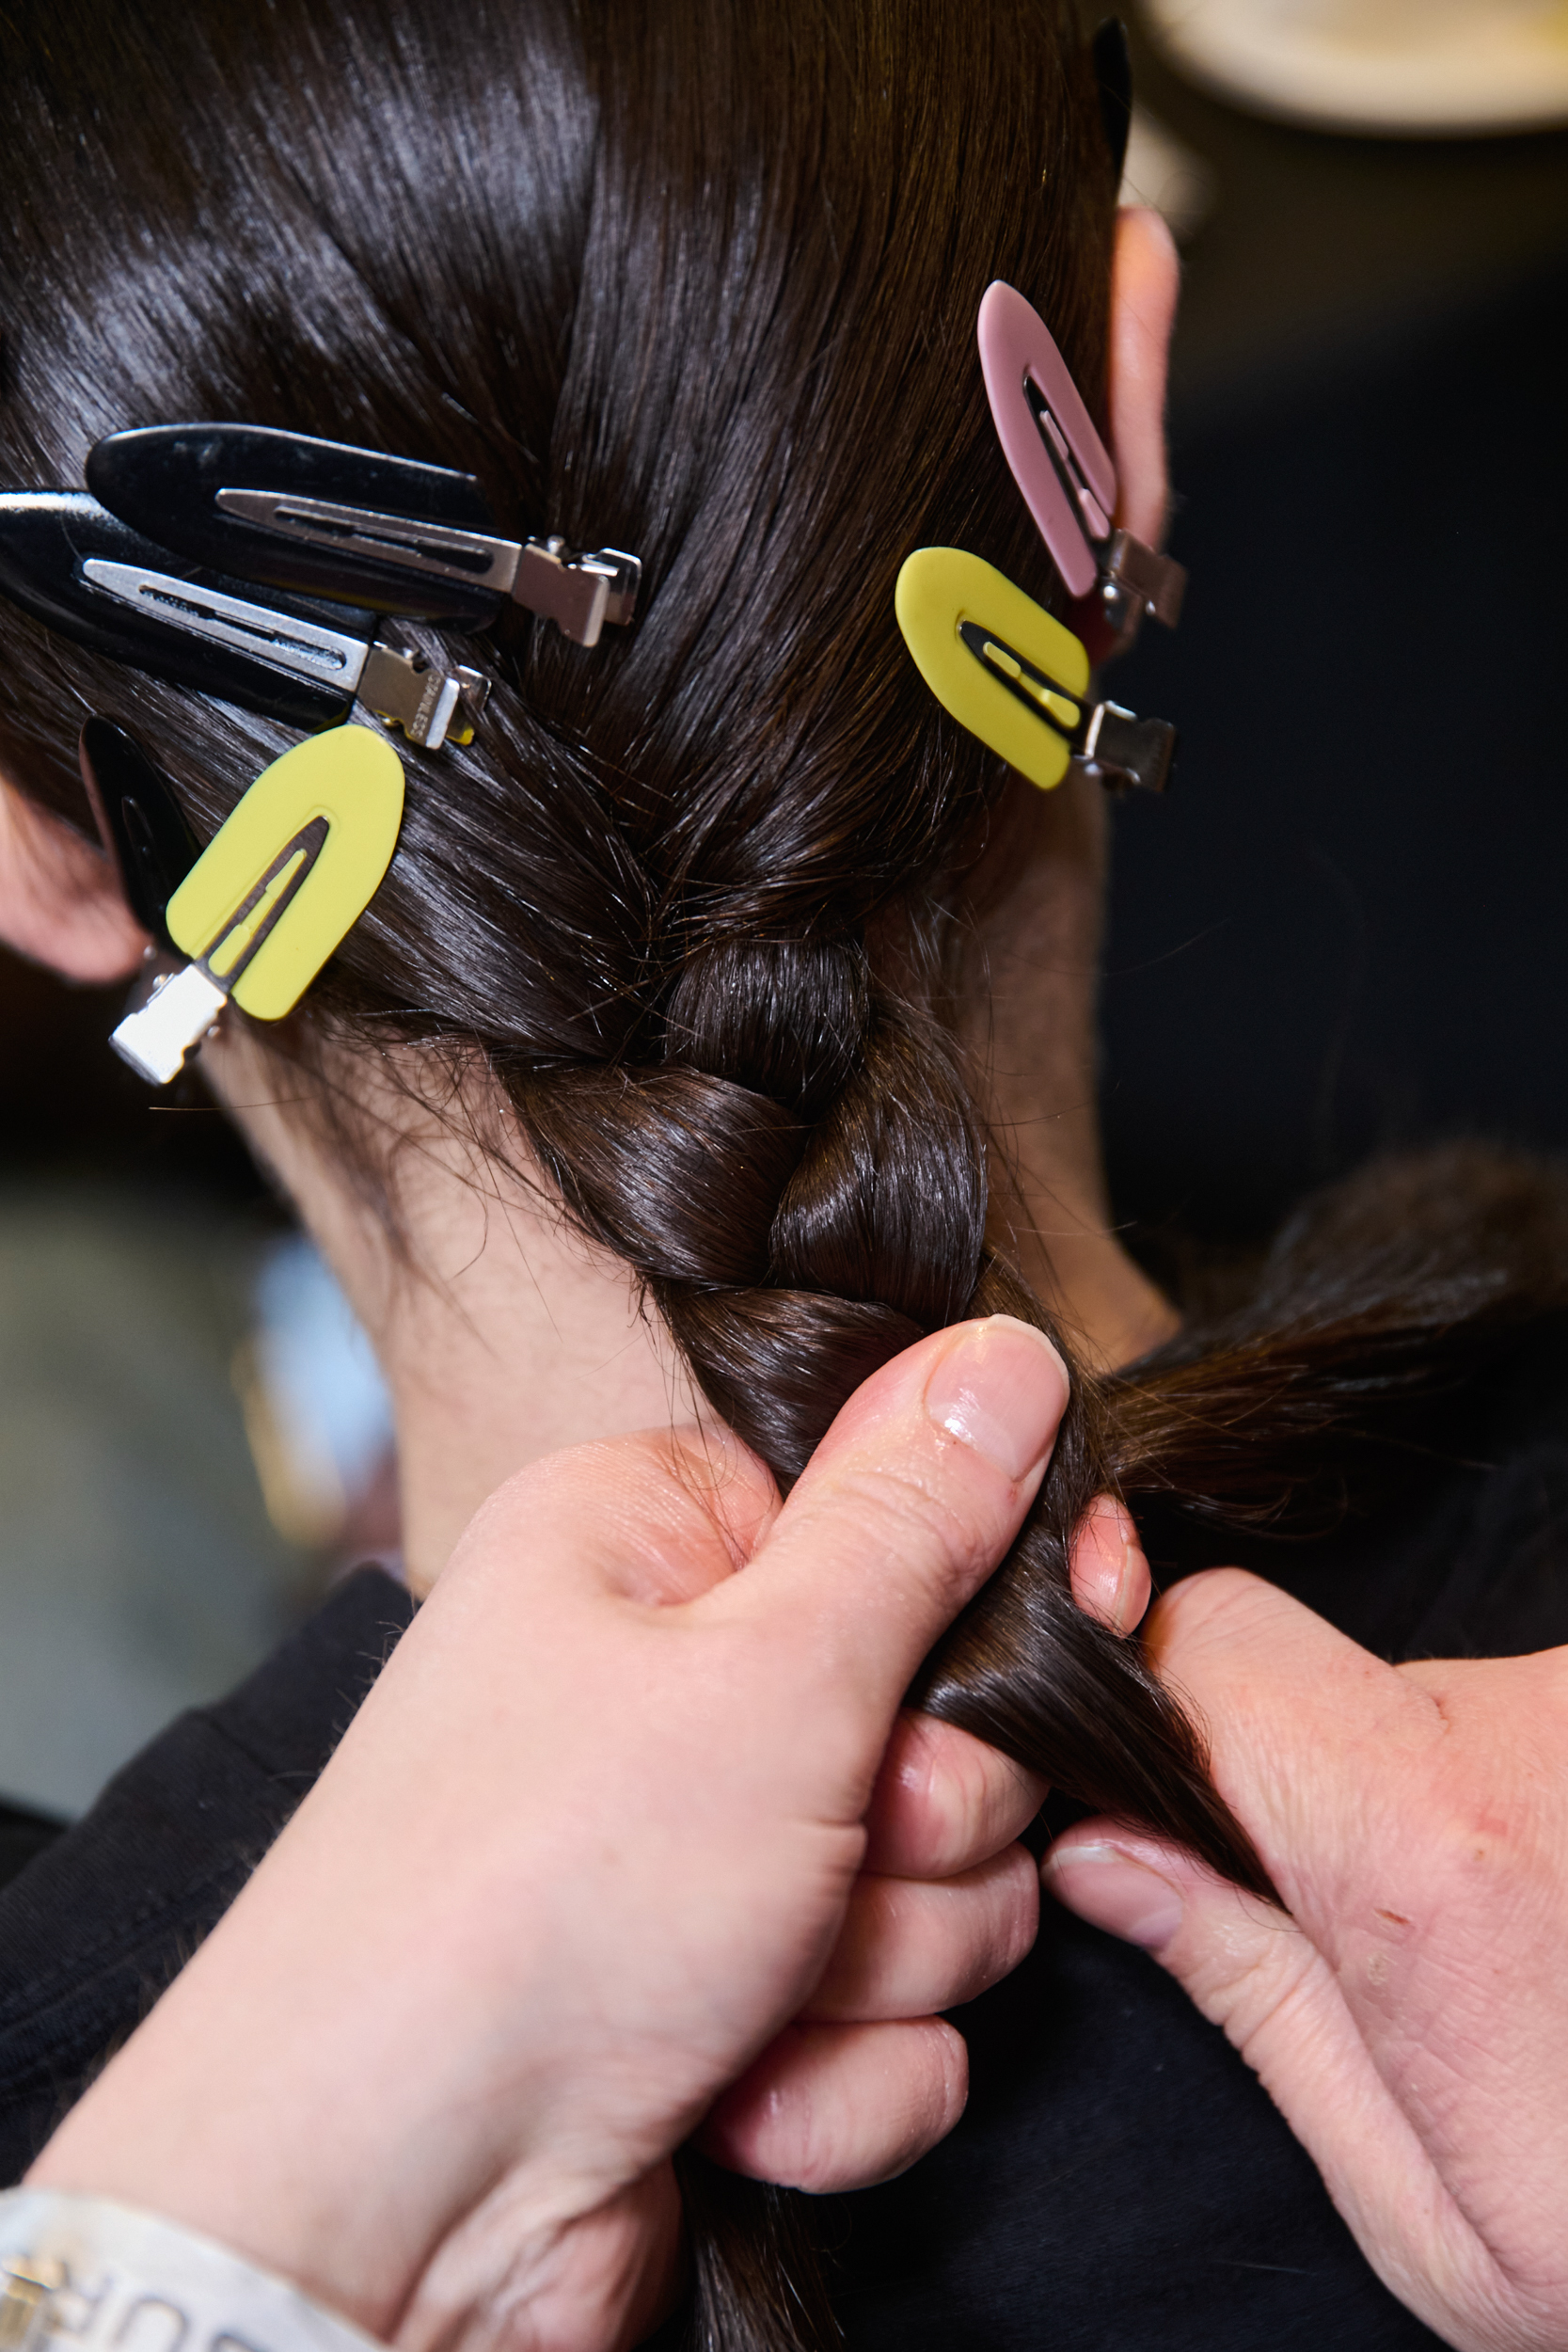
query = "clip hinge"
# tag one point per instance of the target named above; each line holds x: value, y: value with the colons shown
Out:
x: 156, y: 1036
x: 624, y: 574
x: 423, y: 699
x: 579, y: 593
x: 1136, y: 581
x: 1116, y: 749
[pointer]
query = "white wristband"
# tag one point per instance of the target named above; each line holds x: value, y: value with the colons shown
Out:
x: 87, y: 2276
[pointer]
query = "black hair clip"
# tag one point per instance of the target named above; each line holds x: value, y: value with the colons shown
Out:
x: 321, y: 518
x: 1113, y: 73
x: 141, y: 825
x: 82, y: 570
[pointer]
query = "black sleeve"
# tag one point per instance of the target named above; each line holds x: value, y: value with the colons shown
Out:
x: 100, y: 1918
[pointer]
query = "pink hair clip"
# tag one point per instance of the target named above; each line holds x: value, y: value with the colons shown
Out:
x: 1062, y: 467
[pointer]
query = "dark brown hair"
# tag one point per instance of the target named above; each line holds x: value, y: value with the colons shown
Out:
x: 699, y: 278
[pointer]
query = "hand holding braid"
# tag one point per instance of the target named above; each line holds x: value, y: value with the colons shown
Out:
x: 801, y: 1184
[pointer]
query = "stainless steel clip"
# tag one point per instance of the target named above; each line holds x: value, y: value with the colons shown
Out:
x: 423, y: 700
x: 579, y: 592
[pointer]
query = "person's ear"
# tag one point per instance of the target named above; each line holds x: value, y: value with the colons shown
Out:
x: 61, y: 900
x: 1146, y: 277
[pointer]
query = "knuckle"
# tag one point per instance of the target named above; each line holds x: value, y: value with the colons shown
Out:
x: 951, y: 1801
x: 1214, y: 1607
x: 991, y: 1928
x: 915, y: 1947
x: 1021, y: 1918
x: 946, y: 2083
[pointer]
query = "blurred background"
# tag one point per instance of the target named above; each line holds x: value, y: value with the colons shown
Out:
x: 1341, y: 930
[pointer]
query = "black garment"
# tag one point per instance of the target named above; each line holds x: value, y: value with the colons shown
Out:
x: 94, y: 1927
x: 1119, y: 2182
x: 23, y: 1834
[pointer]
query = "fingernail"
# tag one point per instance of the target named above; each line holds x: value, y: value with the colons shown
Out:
x: 1002, y: 1388
x: 1103, y: 1582
x: 1105, y: 1886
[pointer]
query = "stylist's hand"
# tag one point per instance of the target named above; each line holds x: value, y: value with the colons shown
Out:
x: 593, y: 1839
x: 1411, y: 2018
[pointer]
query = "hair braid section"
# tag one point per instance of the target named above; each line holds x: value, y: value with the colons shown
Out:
x: 801, y: 1185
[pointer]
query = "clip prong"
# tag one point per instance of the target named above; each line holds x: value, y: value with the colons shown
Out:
x: 86, y: 573
x: 323, y: 518
x: 579, y: 593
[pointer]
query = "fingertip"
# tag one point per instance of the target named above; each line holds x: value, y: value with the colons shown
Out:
x: 835, y: 2107
x: 1132, y: 1892
x: 1108, y: 1568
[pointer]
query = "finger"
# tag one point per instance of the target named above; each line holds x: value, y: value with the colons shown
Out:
x: 830, y: 2107
x: 908, y: 1503
x: 944, y: 1801
x: 1281, y: 2005
x: 911, y: 1947
x: 1325, y: 1753
x: 1110, y: 1574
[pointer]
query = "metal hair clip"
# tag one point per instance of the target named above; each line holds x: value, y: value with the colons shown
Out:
x: 321, y: 518
x: 1061, y: 464
x: 1016, y: 678
x: 279, y: 887
x: 81, y: 570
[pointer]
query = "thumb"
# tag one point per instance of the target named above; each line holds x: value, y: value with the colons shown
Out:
x: 908, y: 1504
x: 1314, y: 1743
x: 1278, y: 2001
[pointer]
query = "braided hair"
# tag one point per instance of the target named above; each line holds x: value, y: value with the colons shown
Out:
x: 699, y: 278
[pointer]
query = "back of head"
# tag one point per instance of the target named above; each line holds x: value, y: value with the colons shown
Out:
x: 693, y: 278
x: 698, y: 279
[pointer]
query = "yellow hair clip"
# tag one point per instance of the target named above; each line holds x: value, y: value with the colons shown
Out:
x: 1016, y: 678
x: 1004, y: 668
x: 277, y: 888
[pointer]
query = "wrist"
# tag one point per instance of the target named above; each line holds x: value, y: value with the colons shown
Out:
x: 352, y: 2159
x: 106, y: 2275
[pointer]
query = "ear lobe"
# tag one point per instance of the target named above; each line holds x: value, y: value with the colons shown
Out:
x: 1146, y: 279
x: 60, y: 902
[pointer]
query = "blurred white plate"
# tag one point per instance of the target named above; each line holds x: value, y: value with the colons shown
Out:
x: 1407, y: 67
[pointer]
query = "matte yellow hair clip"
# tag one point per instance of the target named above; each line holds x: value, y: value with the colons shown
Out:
x: 1016, y: 678
x: 279, y: 887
